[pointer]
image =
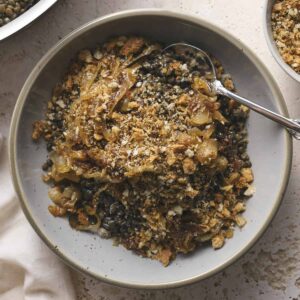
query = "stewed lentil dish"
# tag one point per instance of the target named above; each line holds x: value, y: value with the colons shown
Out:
x: 142, y: 151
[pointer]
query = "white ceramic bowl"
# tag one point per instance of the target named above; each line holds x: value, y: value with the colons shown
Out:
x: 25, y: 19
x: 271, y: 43
x: 269, y: 148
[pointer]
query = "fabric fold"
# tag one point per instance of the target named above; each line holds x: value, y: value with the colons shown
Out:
x: 28, y: 269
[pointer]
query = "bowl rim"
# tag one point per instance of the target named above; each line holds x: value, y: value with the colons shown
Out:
x: 279, y: 101
x: 271, y: 43
x: 25, y: 18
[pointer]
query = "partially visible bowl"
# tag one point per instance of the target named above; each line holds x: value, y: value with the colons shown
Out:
x: 271, y: 43
x: 270, y: 150
x: 25, y: 19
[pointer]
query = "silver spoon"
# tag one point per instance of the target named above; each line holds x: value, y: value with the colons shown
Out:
x: 293, y: 126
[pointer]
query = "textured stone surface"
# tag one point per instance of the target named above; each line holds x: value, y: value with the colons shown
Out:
x: 271, y: 269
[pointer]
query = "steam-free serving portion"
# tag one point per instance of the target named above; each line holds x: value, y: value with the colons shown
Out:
x: 146, y: 153
x: 286, y: 31
x: 11, y: 9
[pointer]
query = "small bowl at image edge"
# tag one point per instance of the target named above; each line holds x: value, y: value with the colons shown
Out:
x: 271, y: 43
x: 25, y: 18
x: 270, y: 150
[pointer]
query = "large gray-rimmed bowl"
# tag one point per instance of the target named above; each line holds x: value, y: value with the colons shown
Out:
x: 271, y: 43
x: 270, y: 149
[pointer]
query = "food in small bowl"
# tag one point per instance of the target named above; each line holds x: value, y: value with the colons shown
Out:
x: 9, y: 10
x: 146, y: 154
x: 283, y: 34
x: 17, y: 14
x: 286, y: 31
x: 269, y: 148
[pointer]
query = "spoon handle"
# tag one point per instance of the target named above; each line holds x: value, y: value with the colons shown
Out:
x: 293, y: 126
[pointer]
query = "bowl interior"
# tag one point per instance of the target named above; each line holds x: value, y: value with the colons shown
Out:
x: 271, y: 43
x: 269, y: 149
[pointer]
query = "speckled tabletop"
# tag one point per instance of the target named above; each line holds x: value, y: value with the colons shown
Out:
x: 271, y: 269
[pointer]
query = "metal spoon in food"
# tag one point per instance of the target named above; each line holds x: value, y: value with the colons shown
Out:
x: 293, y: 126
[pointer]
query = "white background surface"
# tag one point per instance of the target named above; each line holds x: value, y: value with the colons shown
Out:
x: 271, y: 269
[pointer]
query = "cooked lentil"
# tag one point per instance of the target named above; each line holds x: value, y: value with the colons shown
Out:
x: 147, y: 154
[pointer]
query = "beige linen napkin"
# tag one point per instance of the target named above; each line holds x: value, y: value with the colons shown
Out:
x: 28, y: 269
